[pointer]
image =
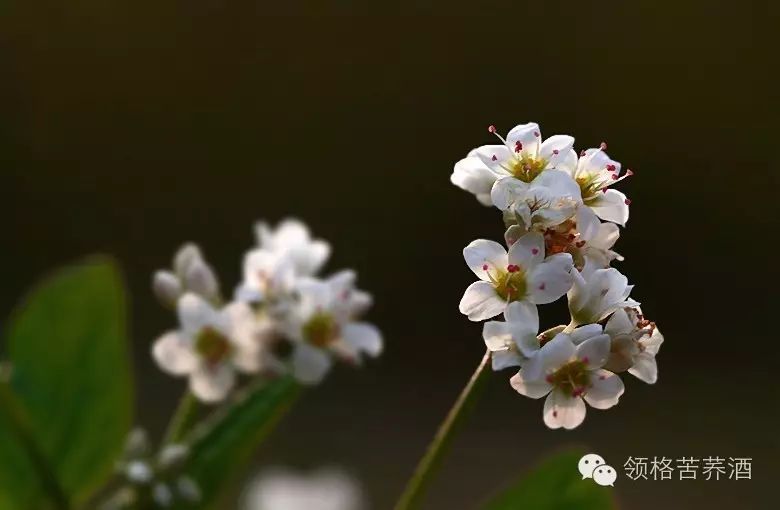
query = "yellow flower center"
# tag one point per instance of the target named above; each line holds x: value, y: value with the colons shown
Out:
x: 510, y: 284
x: 572, y: 378
x: 321, y: 330
x: 590, y: 186
x: 525, y: 167
x: 212, y: 345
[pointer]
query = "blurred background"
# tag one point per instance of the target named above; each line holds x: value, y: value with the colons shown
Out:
x: 131, y: 127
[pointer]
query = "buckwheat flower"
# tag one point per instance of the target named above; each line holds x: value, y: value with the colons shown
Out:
x: 327, y: 489
x: 635, y: 343
x: 597, y: 293
x: 210, y: 347
x: 511, y: 343
x: 191, y: 273
x: 595, y: 173
x: 521, y: 155
x: 569, y: 376
x: 292, y: 240
x: 549, y: 200
x: 322, y: 325
x: 522, y: 274
x: 269, y: 277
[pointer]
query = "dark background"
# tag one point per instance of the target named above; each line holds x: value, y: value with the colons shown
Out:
x: 130, y: 127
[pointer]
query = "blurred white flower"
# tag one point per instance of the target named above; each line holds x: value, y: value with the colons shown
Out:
x: 269, y: 277
x: 522, y: 274
x: 210, y: 346
x: 522, y: 155
x: 327, y: 489
x: 321, y: 324
x: 595, y: 173
x: 292, y: 240
x: 567, y: 375
x: 191, y: 273
x: 597, y: 293
x: 635, y: 343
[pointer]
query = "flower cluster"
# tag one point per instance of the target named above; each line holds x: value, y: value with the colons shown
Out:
x: 153, y: 478
x: 280, y: 301
x: 561, y: 216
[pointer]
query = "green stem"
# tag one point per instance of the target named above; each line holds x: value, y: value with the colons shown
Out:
x: 20, y: 424
x: 415, y: 488
x: 183, y: 419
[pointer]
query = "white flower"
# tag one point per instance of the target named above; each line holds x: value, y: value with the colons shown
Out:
x: 581, y: 235
x: 549, y: 200
x: 210, y: 346
x: 635, y: 343
x: 567, y: 374
x: 321, y: 325
x: 523, y: 274
x: 521, y: 155
x: 595, y: 173
x: 191, y: 273
x: 512, y: 342
x: 269, y: 277
x: 327, y: 489
x: 597, y: 293
x: 292, y: 240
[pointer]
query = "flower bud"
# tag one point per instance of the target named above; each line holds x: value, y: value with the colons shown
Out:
x: 167, y: 288
x: 200, y: 279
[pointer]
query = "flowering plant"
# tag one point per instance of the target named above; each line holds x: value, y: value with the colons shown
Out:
x: 248, y: 353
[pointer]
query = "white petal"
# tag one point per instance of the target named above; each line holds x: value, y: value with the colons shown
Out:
x: 532, y: 388
x: 524, y: 314
x: 583, y: 333
x: 505, y: 359
x: 212, y: 383
x: 554, y: 354
x: 645, y: 368
x: 568, y: 163
x: 363, y: 338
x: 310, y: 258
x: 174, y: 353
x: 563, y: 411
x: 559, y: 183
x: 551, y: 279
x: 653, y: 344
x: 310, y: 364
x: 556, y: 149
x: 594, y: 351
x: 529, y: 135
x: 605, y: 236
x: 528, y: 251
x: 492, y: 156
x: 611, y: 206
x: 506, y: 191
x: 481, y: 253
x: 195, y: 313
x: 619, y: 323
x: 496, y: 336
x: 481, y: 302
x: 605, y: 390
x: 471, y: 174
x: 588, y: 223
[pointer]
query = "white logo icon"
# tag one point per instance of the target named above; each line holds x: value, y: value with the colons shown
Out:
x: 605, y: 475
x: 595, y: 467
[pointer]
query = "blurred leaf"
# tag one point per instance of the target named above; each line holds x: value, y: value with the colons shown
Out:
x: 555, y: 484
x: 71, y: 378
x: 221, y: 447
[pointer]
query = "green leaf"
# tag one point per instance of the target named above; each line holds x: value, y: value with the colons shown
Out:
x: 221, y: 447
x: 555, y: 484
x: 71, y: 379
